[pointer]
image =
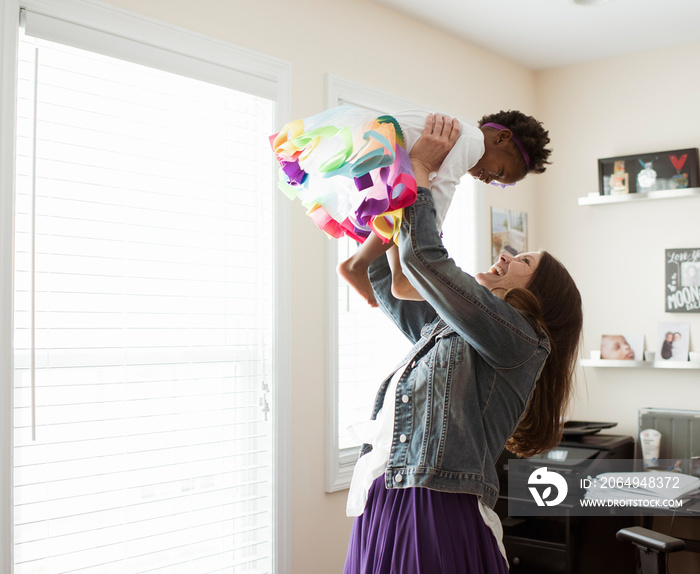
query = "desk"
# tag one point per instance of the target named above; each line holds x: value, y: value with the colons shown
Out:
x: 568, y: 544
x: 680, y: 439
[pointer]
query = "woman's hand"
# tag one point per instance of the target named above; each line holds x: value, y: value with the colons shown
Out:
x: 439, y: 137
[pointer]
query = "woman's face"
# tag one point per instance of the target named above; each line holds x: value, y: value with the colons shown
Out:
x: 616, y: 347
x: 509, y: 272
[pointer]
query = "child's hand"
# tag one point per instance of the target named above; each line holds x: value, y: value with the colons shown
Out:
x: 428, y: 153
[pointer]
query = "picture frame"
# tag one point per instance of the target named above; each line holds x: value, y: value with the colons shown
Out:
x: 653, y: 171
x: 622, y: 347
x: 619, y: 183
x: 508, y: 232
x: 673, y: 342
x: 682, y: 290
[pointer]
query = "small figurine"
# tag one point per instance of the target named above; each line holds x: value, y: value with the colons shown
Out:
x: 647, y: 177
x: 619, y: 180
x: 680, y: 180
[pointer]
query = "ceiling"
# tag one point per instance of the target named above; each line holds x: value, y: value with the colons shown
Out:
x: 547, y: 33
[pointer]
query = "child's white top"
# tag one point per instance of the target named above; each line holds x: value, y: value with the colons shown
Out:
x: 463, y: 156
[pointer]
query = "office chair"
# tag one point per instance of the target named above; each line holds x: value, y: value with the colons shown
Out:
x: 653, y: 547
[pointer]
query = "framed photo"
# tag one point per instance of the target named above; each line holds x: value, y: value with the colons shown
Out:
x: 674, y: 169
x: 619, y: 183
x: 682, y: 292
x: 673, y: 342
x: 622, y: 347
x: 508, y: 232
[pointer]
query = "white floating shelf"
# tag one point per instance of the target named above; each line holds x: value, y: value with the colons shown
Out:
x: 675, y: 365
x: 639, y: 364
x: 596, y: 199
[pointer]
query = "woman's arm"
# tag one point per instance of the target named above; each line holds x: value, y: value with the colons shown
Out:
x: 498, y: 332
x: 431, y: 149
x: 493, y: 327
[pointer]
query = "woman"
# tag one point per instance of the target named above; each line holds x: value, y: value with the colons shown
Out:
x: 492, y: 366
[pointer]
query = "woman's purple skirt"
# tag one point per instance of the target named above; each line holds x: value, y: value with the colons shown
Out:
x: 421, y: 531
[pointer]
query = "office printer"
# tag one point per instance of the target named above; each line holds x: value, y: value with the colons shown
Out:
x: 576, y: 454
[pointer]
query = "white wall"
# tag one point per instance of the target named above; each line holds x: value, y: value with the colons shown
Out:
x: 621, y: 106
x: 366, y: 43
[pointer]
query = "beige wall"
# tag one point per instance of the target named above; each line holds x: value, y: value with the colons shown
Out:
x: 634, y: 104
x: 368, y: 44
x: 615, y: 107
x: 622, y: 106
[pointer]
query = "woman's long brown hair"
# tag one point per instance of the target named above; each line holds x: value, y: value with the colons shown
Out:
x: 553, y: 303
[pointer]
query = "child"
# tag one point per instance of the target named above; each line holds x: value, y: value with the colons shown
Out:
x: 667, y: 346
x: 616, y: 347
x: 351, y: 169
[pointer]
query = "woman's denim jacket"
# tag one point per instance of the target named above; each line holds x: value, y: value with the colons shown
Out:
x: 468, y: 376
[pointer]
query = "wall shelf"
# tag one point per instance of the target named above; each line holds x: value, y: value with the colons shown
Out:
x: 596, y: 199
x: 608, y: 363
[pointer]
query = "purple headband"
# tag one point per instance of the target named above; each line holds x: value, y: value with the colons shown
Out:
x: 516, y: 141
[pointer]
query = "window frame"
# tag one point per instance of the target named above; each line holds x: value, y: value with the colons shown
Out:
x: 174, y: 45
x: 341, y: 462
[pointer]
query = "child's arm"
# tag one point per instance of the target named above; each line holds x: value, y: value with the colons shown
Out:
x: 487, y: 322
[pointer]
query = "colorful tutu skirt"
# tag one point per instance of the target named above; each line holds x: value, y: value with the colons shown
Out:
x: 349, y: 168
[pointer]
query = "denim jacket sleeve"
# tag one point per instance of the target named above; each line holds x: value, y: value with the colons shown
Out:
x: 495, y: 329
x: 409, y: 316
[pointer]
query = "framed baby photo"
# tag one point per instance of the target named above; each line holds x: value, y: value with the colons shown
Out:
x: 682, y: 292
x: 622, y: 347
x: 673, y: 342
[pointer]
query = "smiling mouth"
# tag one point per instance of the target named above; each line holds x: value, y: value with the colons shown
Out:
x: 496, y: 270
x: 481, y: 177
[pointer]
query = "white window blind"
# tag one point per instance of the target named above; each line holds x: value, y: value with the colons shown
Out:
x: 144, y: 320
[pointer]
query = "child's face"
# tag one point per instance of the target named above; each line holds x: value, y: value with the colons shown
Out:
x: 501, y: 162
x: 616, y: 347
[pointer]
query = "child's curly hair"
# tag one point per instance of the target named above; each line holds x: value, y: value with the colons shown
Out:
x: 529, y: 131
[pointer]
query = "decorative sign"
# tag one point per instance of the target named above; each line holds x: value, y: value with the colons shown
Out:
x: 683, y: 280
